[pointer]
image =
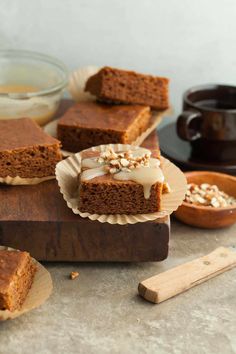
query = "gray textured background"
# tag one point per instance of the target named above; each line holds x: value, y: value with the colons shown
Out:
x: 191, y: 42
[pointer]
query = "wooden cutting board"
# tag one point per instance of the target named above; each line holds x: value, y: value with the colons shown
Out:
x: 37, y: 219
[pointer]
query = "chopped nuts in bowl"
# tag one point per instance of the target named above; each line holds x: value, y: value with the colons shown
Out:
x: 210, y: 201
x: 208, y: 195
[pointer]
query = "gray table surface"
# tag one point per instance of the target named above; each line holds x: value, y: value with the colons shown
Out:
x: 100, y: 312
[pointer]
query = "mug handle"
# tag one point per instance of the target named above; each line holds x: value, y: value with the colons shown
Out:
x: 184, y: 130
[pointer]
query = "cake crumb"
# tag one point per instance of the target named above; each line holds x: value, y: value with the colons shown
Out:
x: 74, y: 275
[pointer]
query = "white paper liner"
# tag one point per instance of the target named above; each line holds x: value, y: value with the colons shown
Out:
x: 67, y: 176
x: 17, y: 181
x: 51, y: 129
x: 77, y: 81
x: 39, y: 292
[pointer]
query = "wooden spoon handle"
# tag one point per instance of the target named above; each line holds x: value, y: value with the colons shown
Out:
x: 183, y: 277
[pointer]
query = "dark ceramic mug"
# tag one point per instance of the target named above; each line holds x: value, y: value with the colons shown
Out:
x: 208, y: 121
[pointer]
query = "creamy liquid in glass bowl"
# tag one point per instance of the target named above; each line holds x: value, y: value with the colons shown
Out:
x: 31, y: 85
x: 17, y: 88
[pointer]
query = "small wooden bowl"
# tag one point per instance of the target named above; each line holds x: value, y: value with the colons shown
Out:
x: 209, y: 217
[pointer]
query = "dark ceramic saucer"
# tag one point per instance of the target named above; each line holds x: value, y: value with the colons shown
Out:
x: 180, y: 151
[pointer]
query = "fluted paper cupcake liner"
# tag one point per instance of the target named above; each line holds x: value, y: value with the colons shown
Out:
x: 39, y: 292
x: 67, y: 176
x: 15, y: 181
x: 77, y: 81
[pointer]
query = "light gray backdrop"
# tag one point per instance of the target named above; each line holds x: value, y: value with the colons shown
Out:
x: 190, y: 41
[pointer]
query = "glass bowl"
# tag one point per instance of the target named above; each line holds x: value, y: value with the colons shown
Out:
x: 31, y: 85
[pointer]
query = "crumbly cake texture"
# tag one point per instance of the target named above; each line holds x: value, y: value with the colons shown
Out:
x: 26, y: 150
x: 88, y: 124
x: 106, y: 195
x: 17, y: 271
x: 122, y: 86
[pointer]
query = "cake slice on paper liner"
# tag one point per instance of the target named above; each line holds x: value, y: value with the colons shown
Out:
x: 39, y: 283
x: 85, y: 121
x: 119, y: 86
x: 27, y: 154
x: 120, y: 184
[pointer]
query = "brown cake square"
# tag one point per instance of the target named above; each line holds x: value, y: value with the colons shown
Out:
x: 26, y: 150
x: 88, y: 124
x: 122, y: 86
x: 120, y: 183
x: 17, y: 272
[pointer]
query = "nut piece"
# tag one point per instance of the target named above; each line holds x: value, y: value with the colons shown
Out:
x: 166, y: 188
x: 74, y: 275
x: 124, y: 162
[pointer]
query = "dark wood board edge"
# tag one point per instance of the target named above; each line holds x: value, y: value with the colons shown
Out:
x: 94, y: 242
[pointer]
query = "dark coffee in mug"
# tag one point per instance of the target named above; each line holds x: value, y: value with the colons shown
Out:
x: 215, y: 104
x: 208, y: 121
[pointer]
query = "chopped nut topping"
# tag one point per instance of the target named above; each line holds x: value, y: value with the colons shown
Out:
x: 74, y: 275
x: 208, y: 195
x: 122, y: 161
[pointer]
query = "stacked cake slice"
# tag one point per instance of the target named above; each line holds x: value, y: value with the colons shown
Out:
x: 89, y: 124
x: 120, y: 115
x: 122, y: 86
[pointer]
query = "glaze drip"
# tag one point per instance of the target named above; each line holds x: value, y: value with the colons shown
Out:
x: 145, y: 176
